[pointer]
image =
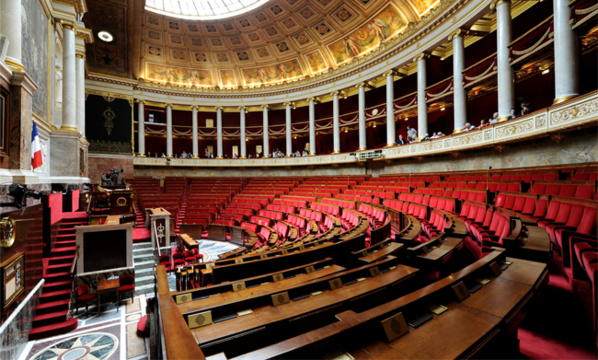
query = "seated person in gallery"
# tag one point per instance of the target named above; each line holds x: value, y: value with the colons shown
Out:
x: 494, y: 118
x: 184, y: 154
x: 400, y: 140
x: 468, y: 127
x: 512, y: 114
x: 483, y: 123
x: 163, y: 155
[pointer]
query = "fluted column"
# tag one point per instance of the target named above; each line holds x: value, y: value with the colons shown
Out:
x: 219, y: 132
x: 69, y: 80
x: 80, y: 91
x: 11, y: 27
x: 459, y: 95
x: 289, y: 130
x: 141, y: 127
x: 566, y: 61
x: 243, y: 144
x: 312, y: 126
x: 266, y: 146
x: 336, y: 132
x: 422, y: 107
x: 362, y: 128
x: 390, y: 113
x: 169, y: 130
x: 506, y: 85
x: 194, y: 131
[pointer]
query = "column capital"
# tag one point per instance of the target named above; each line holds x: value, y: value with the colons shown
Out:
x: 266, y: 106
x: 140, y: 101
x: 68, y: 25
x: 195, y: 107
x: 364, y: 84
x: 316, y: 100
x: 288, y: 103
x: 335, y: 92
x: 168, y: 105
x: 242, y: 108
x: 218, y: 108
x: 495, y: 3
x: 457, y: 33
x: 389, y: 73
x: 421, y: 56
x: 80, y: 55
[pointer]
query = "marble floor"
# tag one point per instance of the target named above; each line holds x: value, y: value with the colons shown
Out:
x: 110, y: 335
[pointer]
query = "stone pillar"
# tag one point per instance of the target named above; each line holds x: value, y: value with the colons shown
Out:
x: 243, y: 144
x: 141, y: 127
x: 506, y: 84
x: 69, y: 80
x: 336, y: 132
x: 362, y: 128
x: 289, y: 129
x: 566, y: 61
x: 312, y: 126
x: 390, y: 113
x: 219, y: 132
x: 266, y: 144
x: 11, y: 27
x: 168, y: 130
x: 194, y: 130
x: 459, y: 95
x: 80, y: 88
x: 422, y: 107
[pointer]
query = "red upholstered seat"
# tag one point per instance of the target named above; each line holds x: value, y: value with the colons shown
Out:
x: 83, y: 295
x: 127, y: 285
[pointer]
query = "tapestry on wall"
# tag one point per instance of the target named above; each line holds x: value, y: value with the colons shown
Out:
x: 108, y: 124
x: 35, y: 53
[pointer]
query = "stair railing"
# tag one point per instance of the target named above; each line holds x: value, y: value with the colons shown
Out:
x: 74, y: 275
x: 157, y: 241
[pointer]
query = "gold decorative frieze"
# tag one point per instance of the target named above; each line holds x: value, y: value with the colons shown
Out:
x: 514, y: 129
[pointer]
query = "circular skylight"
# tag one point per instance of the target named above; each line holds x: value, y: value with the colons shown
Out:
x: 202, y: 9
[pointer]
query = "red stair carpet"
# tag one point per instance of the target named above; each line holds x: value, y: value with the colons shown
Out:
x: 51, y: 313
x: 140, y: 233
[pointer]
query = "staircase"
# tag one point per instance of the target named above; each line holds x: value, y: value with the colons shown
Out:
x: 143, y: 260
x: 139, y: 217
x: 51, y: 315
x: 140, y: 232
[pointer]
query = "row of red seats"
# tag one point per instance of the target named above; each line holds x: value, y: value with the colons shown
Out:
x: 288, y: 209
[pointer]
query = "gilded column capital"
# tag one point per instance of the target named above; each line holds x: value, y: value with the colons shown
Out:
x: 242, y: 108
x: 195, y: 107
x: 421, y: 56
x: 168, y: 105
x: 335, y: 92
x: 67, y: 25
x: 218, y: 108
x: 266, y: 106
x: 457, y: 33
x: 140, y: 101
x: 288, y: 104
x: 389, y: 73
x: 495, y: 3
x: 80, y: 55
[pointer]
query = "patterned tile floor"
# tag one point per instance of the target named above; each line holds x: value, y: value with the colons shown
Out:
x: 112, y: 334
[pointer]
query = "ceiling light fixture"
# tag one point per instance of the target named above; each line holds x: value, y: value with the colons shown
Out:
x: 545, y: 71
x: 105, y: 36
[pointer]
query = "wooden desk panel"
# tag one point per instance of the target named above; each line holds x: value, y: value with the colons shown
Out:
x: 375, y: 256
x: 499, y: 297
x: 447, y: 336
x: 377, y: 350
x: 442, y: 250
x: 524, y: 271
x: 208, y: 333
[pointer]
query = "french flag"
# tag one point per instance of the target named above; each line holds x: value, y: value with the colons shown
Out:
x: 36, y: 150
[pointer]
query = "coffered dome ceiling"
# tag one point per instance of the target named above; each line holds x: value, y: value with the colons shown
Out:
x: 278, y: 42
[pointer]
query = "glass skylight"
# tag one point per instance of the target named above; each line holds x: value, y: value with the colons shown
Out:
x: 202, y: 9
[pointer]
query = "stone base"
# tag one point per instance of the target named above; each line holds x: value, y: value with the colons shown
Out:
x: 68, y: 155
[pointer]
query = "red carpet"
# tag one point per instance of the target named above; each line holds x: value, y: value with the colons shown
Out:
x: 558, y: 325
x: 141, y: 235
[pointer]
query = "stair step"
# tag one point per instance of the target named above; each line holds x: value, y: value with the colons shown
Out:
x: 55, y: 260
x: 50, y: 318
x: 143, y: 280
x: 52, y: 306
x: 54, y: 277
x: 142, y: 272
x: 64, y: 251
x: 55, y: 296
x: 144, y: 289
x: 53, y: 329
x: 65, y: 243
x: 57, y: 285
x: 143, y: 264
x: 53, y: 269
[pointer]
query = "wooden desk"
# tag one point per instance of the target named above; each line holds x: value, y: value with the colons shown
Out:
x: 106, y: 286
x: 112, y: 220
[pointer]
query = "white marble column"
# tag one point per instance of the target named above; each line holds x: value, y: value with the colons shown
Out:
x: 312, y: 126
x: 336, y: 132
x: 459, y: 95
x: 243, y: 144
x: 506, y: 82
x: 169, y: 130
x: 362, y: 128
x: 219, y: 132
x: 69, y: 79
x: 266, y: 145
x: 141, y: 127
x: 11, y: 27
x: 422, y: 107
x: 80, y: 88
x: 289, y: 129
x: 390, y: 113
x: 194, y: 131
x: 566, y: 61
